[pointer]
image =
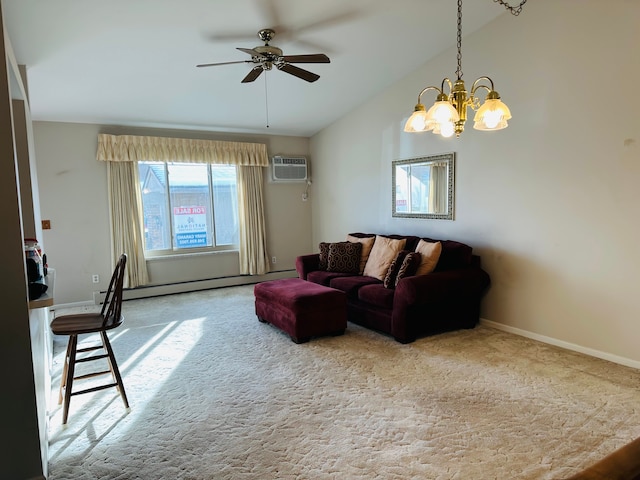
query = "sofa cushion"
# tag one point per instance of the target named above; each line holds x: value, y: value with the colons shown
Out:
x: 351, y: 285
x: 409, y: 266
x: 390, y: 278
x: 344, y: 257
x: 376, y: 295
x: 322, y: 277
x: 367, y: 244
x: 454, y: 255
x: 430, y: 254
x: 382, y: 254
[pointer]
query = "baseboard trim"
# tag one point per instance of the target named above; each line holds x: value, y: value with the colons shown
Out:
x: 193, y: 286
x: 184, y: 287
x: 562, y: 344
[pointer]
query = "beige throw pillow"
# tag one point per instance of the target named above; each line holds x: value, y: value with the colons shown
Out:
x: 430, y: 253
x: 367, y: 244
x: 383, y: 252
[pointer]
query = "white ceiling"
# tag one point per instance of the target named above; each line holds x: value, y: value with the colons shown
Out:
x: 132, y: 62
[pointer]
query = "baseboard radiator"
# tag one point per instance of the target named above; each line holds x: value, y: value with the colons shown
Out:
x: 196, y: 285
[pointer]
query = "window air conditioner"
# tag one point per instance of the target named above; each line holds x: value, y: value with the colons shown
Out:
x: 289, y: 169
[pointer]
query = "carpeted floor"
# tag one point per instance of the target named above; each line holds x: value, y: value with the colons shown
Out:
x: 217, y: 395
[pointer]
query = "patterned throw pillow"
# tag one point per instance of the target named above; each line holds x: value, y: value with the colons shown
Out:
x: 324, y: 255
x: 409, y: 266
x: 344, y: 257
x: 390, y: 278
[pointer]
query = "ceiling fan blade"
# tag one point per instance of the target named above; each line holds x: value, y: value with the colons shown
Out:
x: 332, y: 21
x: 250, y: 51
x: 298, y: 72
x: 311, y: 58
x: 252, y: 75
x: 230, y: 37
x: 222, y: 63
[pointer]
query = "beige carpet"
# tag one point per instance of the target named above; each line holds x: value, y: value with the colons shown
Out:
x: 215, y: 394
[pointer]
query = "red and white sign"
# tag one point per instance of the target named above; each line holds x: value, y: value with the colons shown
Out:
x: 189, y: 210
x: 190, y: 225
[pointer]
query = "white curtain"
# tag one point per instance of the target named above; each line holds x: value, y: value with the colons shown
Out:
x: 254, y: 259
x: 125, y: 210
x: 438, y: 188
x: 130, y: 149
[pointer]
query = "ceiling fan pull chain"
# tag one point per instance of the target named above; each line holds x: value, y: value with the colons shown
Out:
x: 513, y: 10
x: 266, y: 100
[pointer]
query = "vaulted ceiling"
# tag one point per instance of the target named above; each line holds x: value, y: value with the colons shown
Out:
x: 133, y: 62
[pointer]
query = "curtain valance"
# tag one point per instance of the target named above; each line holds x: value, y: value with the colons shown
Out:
x: 133, y: 148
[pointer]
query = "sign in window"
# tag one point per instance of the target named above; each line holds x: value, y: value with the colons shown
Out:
x: 188, y: 206
x: 190, y: 226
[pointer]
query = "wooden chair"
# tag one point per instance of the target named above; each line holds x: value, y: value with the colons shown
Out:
x: 108, y: 318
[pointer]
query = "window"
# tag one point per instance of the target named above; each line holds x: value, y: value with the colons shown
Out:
x: 188, y: 207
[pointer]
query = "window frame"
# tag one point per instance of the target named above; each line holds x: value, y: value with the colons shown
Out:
x: 174, y: 251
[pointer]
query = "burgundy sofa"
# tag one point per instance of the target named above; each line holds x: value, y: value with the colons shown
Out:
x: 446, y: 299
x: 622, y: 464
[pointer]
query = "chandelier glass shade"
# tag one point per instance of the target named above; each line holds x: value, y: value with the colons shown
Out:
x: 449, y: 112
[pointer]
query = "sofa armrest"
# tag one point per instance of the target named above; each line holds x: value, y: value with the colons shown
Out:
x: 437, y: 286
x: 623, y: 464
x: 454, y: 293
x: 306, y: 264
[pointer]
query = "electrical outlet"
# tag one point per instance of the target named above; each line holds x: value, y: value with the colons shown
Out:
x: 273, y: 260
x: 95, y: 278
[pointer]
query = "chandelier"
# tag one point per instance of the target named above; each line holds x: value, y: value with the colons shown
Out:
x: 449, y: 112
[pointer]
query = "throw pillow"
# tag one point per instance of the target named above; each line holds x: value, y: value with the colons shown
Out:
x: 344, y: 257
x: 409, y: 266
x: 390, y: 278
x: 367, y: 244
x: 383, y: 252
x: 430, y: 253
x: 324, y: 255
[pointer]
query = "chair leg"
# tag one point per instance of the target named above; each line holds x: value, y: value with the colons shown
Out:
x: 68, y: 376
x: 113, y: 365
x: 63, y: 377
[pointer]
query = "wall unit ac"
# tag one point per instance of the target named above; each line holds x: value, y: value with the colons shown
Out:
x: 289, y: 169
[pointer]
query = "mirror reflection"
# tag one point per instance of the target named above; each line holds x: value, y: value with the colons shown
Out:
x: 423, y: 187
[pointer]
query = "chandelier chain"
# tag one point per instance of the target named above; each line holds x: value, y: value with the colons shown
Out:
x: 513, y: 10
x: 459, y: 40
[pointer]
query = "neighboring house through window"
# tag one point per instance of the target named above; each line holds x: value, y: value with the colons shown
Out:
x: 188, y: 207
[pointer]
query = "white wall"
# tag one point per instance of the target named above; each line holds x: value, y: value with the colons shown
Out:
x: 551, y: 202
x: 73, y: 193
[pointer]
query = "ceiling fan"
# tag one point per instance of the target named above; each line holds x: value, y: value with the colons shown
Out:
x: 266, y: 57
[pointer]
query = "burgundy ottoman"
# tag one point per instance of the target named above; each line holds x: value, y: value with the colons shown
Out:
x: 300, y: 308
